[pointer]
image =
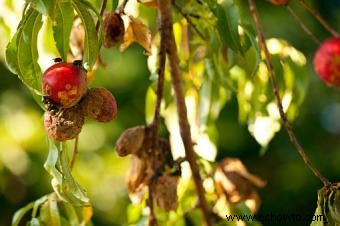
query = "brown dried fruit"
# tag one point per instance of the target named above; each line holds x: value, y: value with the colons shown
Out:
x: 236, y: 184
x: 65, y: 124
x: 165, y: 192
x: 130, y: 141
x: 99, y: 104
x: 113, y: 29
x: 138, y: 177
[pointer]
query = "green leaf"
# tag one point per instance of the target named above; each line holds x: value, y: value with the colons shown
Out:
x: 114, y: 4
x: 227, y: 25
x: 21, y: 213
x: 62, y: 27
x: 71, y: 213
x: 54, y: 211
x: 45, y: 7
x: 34, y: 222
x: 255, y: 47
x: 37, y: 204
x: 91, y: 42
x: 51, y: 162
x: 22, y: 51
x: 320, y: 209
x: 63, y: 182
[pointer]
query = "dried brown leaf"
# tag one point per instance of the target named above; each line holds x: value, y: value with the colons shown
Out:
x: 236, y: 184
x: 137, y: 32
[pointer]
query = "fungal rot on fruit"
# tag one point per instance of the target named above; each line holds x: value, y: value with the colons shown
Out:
x: 99, y: 104
x: 64, y: 84
x: 327, y: 61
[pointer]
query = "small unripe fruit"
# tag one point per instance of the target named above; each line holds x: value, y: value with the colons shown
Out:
x: 64, y: 84
x: 99, y: 104
x: 65, y: 124
x: 113, y: 29
x: 279, y: 2
x: 327, y: 61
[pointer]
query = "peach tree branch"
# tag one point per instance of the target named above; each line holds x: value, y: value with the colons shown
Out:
x: 167, y: 35
x: 283, y: 116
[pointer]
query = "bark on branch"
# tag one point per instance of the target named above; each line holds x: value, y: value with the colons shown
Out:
x: 165, y: 17
x: 272, y: 76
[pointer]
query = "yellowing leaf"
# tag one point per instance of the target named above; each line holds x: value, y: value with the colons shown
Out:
x: 87, y: 214
x: 137, y: 32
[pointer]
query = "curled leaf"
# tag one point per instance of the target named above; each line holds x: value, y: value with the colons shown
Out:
x: 137, y: 32
x: 63, y: 182
x: 22, y: 51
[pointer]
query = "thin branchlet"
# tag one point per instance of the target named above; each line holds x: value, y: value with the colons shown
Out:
x: 283, y: 116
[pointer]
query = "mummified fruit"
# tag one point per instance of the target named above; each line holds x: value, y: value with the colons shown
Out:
x: 130, y: 141
x: 65, y: 124
x: 165, y: 192
x: 99, y: 104
x: 137, y: 178
x: 64, y: 83
x: 113, y: 29
x: 327, y: 61
x: 279, y: 2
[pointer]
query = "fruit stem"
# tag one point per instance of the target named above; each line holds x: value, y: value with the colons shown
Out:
x: 283, y: 116
x: 101, y: 13
x: 120, y: 9
x: 319, y: 18
x: 154, y: 127
x: 167, y: 35
x: 302, y: 25
x: 75, y: 152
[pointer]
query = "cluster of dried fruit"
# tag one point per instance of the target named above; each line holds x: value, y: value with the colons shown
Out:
x: 68, y: 100
x: 155, y: 169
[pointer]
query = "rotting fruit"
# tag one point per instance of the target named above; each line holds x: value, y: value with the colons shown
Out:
x: 99, y: 104
x: 64, y: 83
x: 327, y: 61
x: 65, y: 124
x: 113, y: 29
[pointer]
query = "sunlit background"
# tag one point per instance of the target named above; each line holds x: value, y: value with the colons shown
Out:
x: 291, y: 187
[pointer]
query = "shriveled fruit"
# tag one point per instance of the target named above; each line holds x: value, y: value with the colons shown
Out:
x: 165, y: 193
x: 113, y: 29
x: 65, y: 124
x: 130, y: 141
x: 99, y: 104
x: 138, y: 178
x: 64, y: 83
x: 327, y: 61
x: 279, y: 2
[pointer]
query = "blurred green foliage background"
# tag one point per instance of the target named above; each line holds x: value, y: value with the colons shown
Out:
x: 291, y: 187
